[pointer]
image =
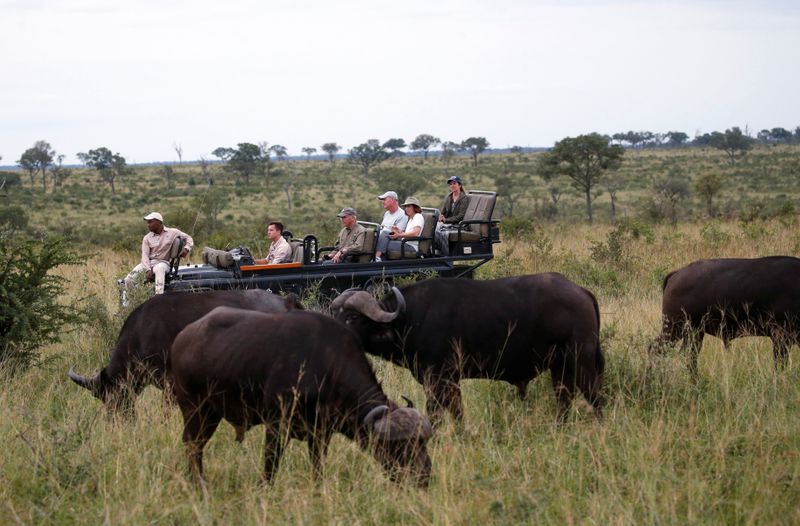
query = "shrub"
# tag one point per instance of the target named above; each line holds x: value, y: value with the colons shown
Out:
x: 30, y: 314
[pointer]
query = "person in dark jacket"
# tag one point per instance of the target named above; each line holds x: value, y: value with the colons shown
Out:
x: 454, y: 207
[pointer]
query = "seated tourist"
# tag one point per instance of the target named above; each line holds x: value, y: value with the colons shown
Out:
x: 351, y: 237
x: 454, y: 207
x: 280, y: 251
x: 393, y: 239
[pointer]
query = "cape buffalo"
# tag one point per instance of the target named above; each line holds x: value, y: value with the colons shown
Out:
x: 300, y: 371
x: 506, y: 329
x: 730, y: 298
x: 147, y: 334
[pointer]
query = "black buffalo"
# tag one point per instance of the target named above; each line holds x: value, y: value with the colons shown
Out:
x: 730, y: 298
x: 506, y: 329
x: 302, y: 375
x: 147, y: 334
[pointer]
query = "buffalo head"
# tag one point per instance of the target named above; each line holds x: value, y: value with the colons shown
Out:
x: 360, y: 311
x: 399, y: 436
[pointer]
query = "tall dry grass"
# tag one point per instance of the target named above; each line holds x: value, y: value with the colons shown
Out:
x: 723, y: 449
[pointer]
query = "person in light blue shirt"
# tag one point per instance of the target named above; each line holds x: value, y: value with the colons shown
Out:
x: 393, y: 215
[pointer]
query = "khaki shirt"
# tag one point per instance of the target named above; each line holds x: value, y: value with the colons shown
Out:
x: 157, y: 246
x: 280, y: 251
x: 351, y: 240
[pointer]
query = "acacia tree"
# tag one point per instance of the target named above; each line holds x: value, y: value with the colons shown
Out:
x: 108, y: 165
x: 331, y: 148
x: 59, y: 173
x: 585, y: 159
x: 676, y: 138
x: 670, y: 191
x: 27, y: 163
x: 475, y: 146
x: 42, y: 154
x: 424, y: 142
x: 395, y: 145
x: 613, y: 184
x: 368, y: 154
x: 707, y: 185
x: 279, y: 150
x: 735, y: 143
x: 449, y: 149
x: 309, y: 151
x: 248, y: 159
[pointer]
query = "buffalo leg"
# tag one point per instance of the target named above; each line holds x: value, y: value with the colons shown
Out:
x: 317, y: 450
x: 693, y: 341
x: 522, y: 388
x: 562, y: 375
x: 443, y: 394
x: 198, y: 427
x: 591, y: 368
x: 273, y: 449
x: 780, y: 348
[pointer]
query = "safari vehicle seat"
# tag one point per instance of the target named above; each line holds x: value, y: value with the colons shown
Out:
x: 425, y: 240
x: 477, y: 222
x: 297, y: 250
x: 370, y: 239
x: 365, y: 255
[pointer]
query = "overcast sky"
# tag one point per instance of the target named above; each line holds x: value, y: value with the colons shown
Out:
x: 139, y: 76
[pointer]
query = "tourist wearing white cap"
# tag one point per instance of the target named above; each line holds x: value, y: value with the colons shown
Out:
x: 393, y: 239
x: 394, y: 215
x: 155, y: 250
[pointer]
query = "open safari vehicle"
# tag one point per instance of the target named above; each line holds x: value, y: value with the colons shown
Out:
x: 470, y: 246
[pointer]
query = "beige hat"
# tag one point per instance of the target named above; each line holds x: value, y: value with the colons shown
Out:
x: 153, y: 215
x: 411, y: 201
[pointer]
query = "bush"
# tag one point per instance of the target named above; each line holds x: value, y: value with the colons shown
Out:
x: 30, y: 314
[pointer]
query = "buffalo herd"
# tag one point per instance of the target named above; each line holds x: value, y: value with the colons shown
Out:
x: 252, y: 357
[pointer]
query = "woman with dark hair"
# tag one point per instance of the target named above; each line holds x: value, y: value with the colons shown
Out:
x: 454, y: 207
x: 393, y: 239
x: 455, y: 203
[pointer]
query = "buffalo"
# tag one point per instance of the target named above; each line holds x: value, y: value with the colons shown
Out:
x: 302, y: 375
x: 138, y: 359
x: 508, y: 329
x: 731, y: 298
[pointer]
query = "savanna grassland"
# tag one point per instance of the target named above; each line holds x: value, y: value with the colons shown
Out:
x: 724, y: 448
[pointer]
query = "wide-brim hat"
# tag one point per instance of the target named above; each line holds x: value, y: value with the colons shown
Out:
x: 411, y: 201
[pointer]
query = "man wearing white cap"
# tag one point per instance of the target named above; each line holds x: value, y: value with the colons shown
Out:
x: 394, y: 215
x: 155, y: 250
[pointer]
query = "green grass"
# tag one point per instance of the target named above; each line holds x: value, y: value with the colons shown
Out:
x: 723, y: 449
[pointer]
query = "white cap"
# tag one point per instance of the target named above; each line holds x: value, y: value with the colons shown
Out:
x: 153, y: 215
x: 391, y: 194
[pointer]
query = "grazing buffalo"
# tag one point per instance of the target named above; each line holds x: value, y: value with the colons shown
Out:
x: 302, y: 375
x: 506, y: 329
x: 730, y: 298
x: 147, y: 334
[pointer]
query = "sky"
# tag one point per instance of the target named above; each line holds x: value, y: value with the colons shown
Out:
x: 140, y: 77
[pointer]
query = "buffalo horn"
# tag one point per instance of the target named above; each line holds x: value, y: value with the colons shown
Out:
x: 404, y: 423
x: 367, y: 305
x: 376, y: 413
x: 340, y: 300
x: 409, y: 403
x: 87, y: 383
